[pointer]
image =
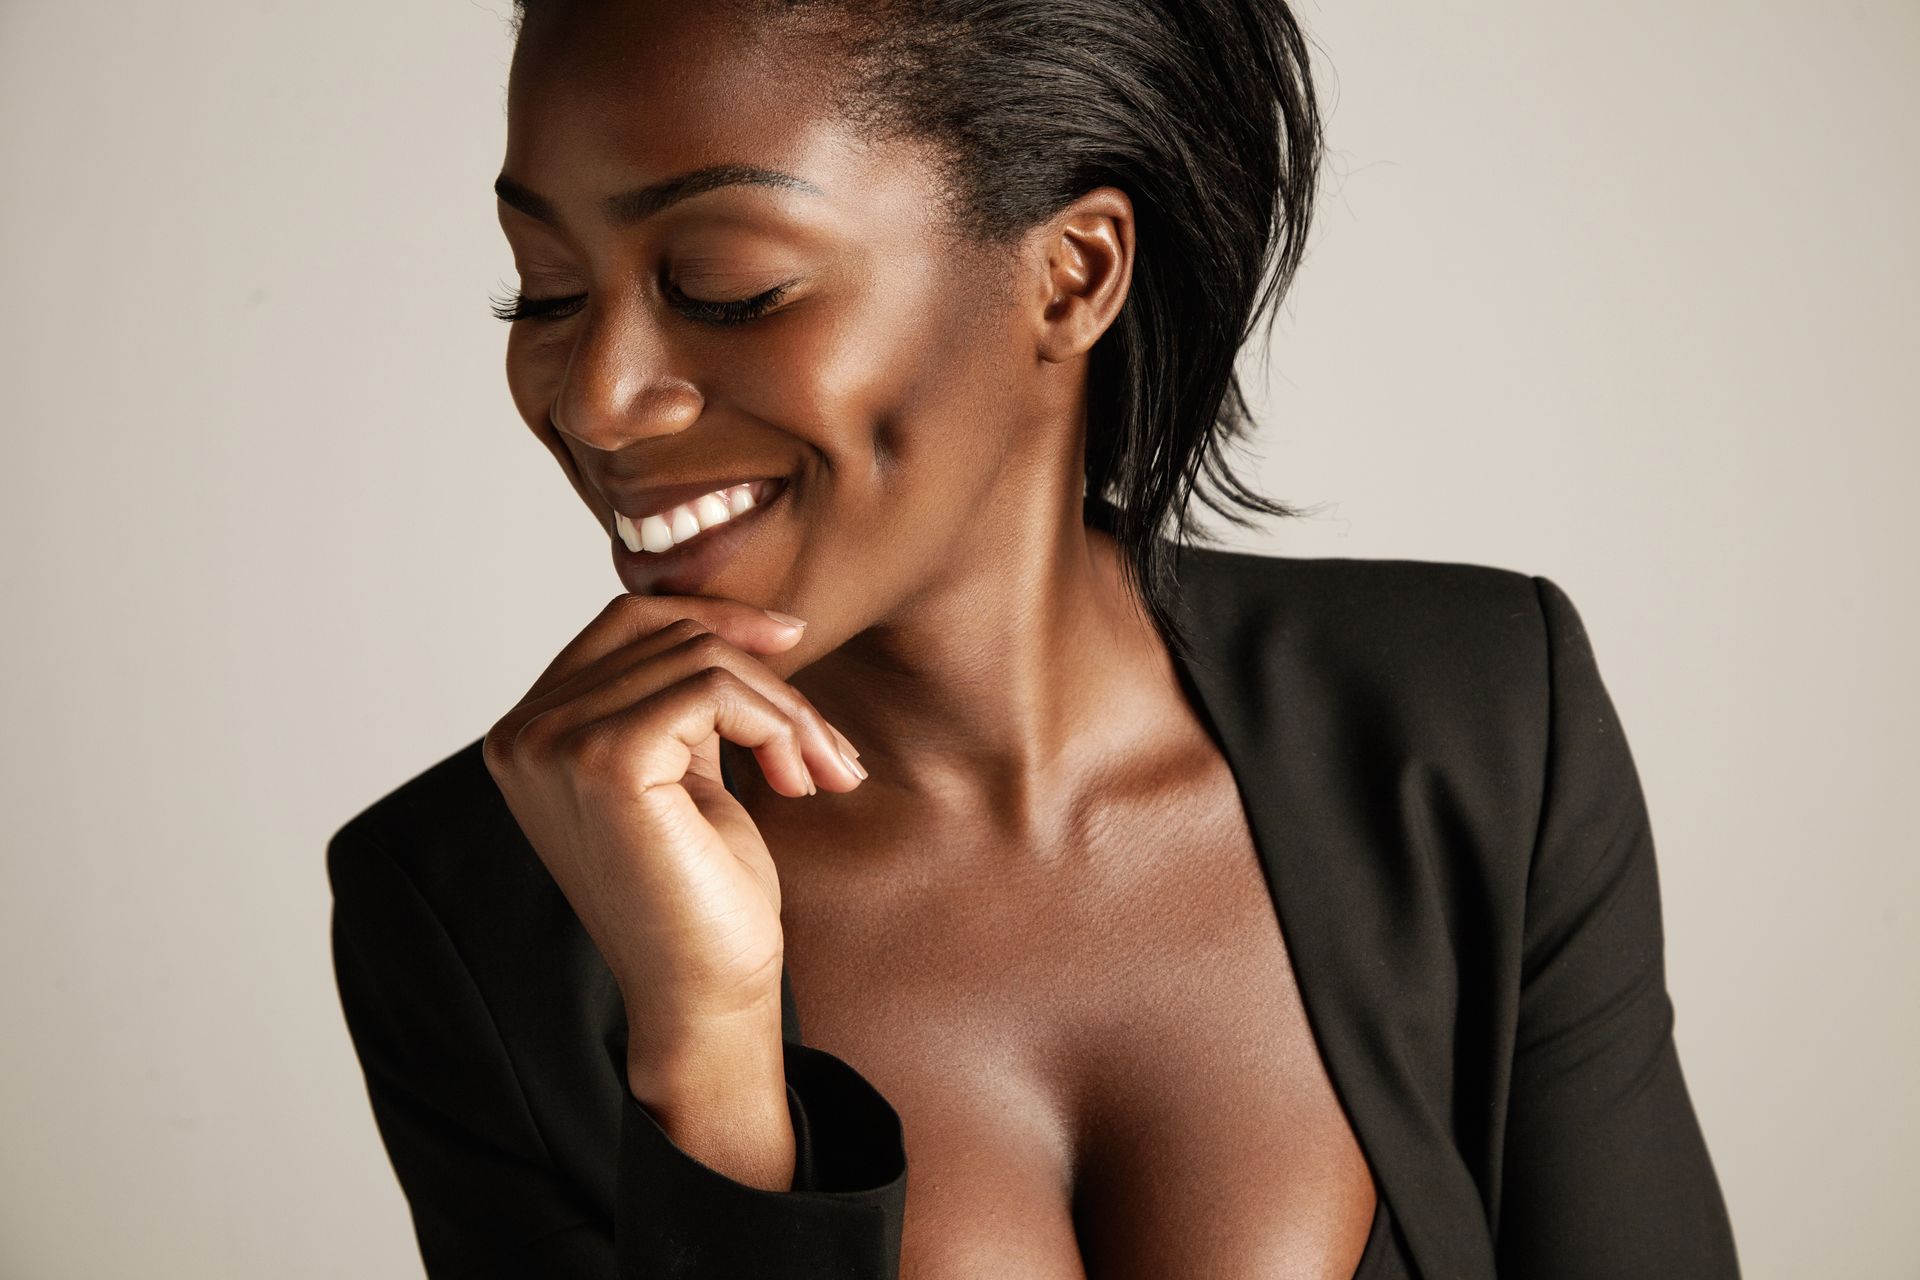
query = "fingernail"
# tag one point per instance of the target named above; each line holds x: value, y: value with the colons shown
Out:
x: 845, y: 746
x: 853, y: 765
x: 784, y: 619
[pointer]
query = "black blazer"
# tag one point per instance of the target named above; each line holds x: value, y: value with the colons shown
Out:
x: 1457, y: 845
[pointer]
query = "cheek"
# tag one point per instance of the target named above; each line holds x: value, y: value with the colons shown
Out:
x: 536, y: 358
x: 535, y: 361
x: 896, y: 392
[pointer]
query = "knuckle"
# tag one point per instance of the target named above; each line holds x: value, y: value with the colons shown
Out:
x: 685, y: 630
x: 805, y: 716
x: 540, y: 733
x: 795, y: 735
x: 710, y: 648
x: 805, y: 705
x: 586, y: 750
x: 496, y: 748
x: 626, y: 605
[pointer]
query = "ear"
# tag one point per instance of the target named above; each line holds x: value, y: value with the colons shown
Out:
x: 1083, y: 261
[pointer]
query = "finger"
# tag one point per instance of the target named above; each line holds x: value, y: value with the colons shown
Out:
x: 609, y: 665
x: 841, y: 738
x: 654, y: 739
x: 628, y: 617
x: 699, y: 651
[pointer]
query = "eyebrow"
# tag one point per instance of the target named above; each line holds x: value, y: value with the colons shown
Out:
x: 643, y: 202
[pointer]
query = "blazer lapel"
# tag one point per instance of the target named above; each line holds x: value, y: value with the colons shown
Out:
x: 1367, y: 955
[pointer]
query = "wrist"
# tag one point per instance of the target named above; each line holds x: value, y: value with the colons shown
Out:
x: 737, y: 1060
x: 722, y: 1100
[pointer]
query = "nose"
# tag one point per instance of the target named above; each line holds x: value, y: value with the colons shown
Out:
x: 619, y: 386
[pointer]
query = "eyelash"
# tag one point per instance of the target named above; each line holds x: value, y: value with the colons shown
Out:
x: 515, y: 305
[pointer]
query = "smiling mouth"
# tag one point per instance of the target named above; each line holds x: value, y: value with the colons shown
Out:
x: 688, y: 522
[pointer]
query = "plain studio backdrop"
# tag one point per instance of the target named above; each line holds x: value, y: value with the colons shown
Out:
x: 1620, y: 294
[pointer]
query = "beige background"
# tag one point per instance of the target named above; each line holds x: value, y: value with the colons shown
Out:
x: 1620, y: 294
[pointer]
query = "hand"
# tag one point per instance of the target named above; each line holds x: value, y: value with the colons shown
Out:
x: 611, y: 766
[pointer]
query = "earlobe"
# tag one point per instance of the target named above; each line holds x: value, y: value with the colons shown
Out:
x: 1089, y: 263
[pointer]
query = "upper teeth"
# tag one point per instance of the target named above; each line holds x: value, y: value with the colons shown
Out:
x: 675, y: 525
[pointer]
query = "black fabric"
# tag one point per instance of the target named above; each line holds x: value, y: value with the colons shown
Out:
x: 1450, y: 823
x: 676, y: 1216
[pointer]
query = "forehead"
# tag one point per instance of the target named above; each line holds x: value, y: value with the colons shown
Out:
x: 605, y: 93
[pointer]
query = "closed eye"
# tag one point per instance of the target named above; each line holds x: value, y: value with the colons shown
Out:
x: 514, y: 306
x: 734, y: 312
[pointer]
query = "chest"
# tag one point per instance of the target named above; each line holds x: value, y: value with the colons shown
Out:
x: 1098, y: 1051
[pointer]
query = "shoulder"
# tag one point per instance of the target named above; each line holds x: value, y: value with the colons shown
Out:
x: 1256, y: 572
x: 1433, y: 628
x: 446, y: 829
x: 1425, y: 689
x: 1453, y: 695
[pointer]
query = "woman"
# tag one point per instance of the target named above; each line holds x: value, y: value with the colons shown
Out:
x: 1181, y: 912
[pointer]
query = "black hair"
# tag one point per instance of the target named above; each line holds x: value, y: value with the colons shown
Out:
x: 1203, y: 112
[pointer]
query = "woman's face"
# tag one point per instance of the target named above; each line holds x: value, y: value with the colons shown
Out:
x: 892, y: 382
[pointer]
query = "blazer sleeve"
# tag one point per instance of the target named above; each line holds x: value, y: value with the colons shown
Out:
x: 486, y: 1197
x: 1606, y: 1170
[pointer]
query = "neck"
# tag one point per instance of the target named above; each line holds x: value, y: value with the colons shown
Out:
x: 1004, y: 683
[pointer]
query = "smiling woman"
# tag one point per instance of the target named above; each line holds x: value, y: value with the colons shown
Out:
x: 1183, y: 912
x: 822, y: 175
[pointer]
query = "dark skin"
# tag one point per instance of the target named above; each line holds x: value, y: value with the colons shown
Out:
x: 1052, y: 900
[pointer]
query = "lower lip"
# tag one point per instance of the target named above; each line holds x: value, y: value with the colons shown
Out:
x: 682, y: 568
